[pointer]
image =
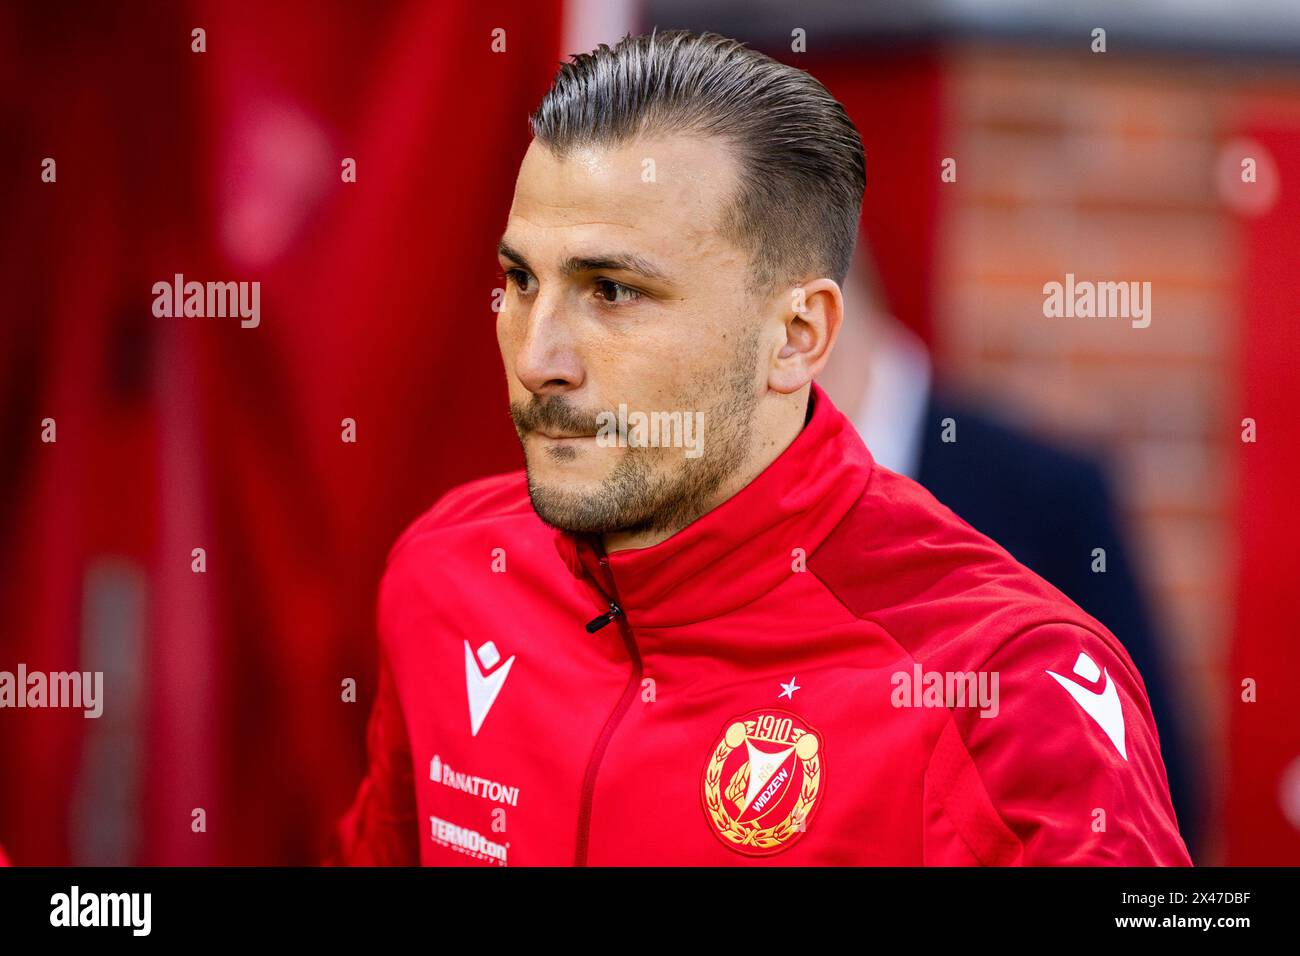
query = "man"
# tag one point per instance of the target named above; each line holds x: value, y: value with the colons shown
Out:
x: 703, y: 627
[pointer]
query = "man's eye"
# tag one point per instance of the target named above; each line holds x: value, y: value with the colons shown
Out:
x: 519, y: 278
x: 615, y: 293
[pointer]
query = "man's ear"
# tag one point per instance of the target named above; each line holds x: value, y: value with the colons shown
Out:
x: 812, y: 317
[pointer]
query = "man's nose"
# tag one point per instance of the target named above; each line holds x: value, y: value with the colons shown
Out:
x: 548, y: 360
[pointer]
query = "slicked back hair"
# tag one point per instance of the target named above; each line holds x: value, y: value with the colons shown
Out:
x: 799, y: 157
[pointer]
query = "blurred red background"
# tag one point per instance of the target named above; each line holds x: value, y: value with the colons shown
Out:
x: 224, y: 687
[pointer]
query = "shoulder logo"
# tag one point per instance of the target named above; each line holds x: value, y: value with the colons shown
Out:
x: 763, y: 781
x: 483, y: 688
x: 1102, y: 706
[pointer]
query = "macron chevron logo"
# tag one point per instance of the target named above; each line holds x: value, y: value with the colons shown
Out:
x: 483, y: 688
x: 1102, y: 706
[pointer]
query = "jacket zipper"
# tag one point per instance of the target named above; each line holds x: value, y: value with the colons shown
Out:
x: 615, y: 612
x: 596, y: 623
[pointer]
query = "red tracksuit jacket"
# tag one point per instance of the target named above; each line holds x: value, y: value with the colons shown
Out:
x: 829, y: 668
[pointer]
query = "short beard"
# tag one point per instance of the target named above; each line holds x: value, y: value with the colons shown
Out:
x: 635, y: 498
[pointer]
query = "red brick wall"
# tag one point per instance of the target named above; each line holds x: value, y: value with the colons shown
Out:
x: 1106, y: 166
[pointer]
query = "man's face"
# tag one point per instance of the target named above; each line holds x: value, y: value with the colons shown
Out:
x: 621, y: 292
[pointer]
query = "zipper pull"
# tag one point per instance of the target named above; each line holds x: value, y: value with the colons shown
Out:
x: 596, y: 623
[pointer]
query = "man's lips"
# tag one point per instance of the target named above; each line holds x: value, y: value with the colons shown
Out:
x: 559, y: 437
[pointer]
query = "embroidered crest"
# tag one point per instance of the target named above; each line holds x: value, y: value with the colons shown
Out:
x: 763, y: 781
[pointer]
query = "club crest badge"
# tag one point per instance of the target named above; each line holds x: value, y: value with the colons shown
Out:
x: 763, y: 781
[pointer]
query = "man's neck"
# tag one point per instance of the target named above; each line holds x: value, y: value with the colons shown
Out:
x: 789, y: 419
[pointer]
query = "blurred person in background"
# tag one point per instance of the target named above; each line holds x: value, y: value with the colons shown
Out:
x: 1047, y: 505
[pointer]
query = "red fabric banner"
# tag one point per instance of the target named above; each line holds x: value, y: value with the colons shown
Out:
x: 1262, y: 809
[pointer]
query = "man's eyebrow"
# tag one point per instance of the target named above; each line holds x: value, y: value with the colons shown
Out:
x: 507, y: 251
x: 624, y: 261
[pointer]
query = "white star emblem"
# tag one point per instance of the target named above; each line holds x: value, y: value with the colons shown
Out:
x: 788, y: 689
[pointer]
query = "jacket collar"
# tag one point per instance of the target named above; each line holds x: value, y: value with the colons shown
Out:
x: 744, y: 547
